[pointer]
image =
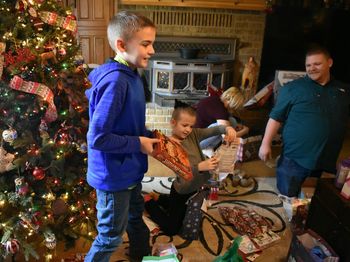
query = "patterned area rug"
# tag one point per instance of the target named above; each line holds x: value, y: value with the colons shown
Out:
x: 216, y: 235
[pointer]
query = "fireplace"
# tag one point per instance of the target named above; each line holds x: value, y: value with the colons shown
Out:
x: 172, y: 77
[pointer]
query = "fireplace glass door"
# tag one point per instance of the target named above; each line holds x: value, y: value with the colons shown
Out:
x: 200, y: 82
x: 181, y: 83
x: 163, y: 81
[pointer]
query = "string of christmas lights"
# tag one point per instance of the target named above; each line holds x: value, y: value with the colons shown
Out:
x: 44, y: 197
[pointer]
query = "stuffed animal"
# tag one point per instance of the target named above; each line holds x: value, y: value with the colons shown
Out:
x: 249, y: 78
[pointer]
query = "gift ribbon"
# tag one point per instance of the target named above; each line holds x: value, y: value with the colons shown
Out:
x: 41, y: 90
x: 2, y: 50
x: 51, y: 18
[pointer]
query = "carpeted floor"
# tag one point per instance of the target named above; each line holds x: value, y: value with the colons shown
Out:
x: 216, y: 234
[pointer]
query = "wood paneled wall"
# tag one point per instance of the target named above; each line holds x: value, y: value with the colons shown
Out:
x: 93, y: 17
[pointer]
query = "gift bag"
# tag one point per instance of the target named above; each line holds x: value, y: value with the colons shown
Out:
x: 231, y: 254
x: 192, y: 222
x: 168, y: 258
x: 249, y: 148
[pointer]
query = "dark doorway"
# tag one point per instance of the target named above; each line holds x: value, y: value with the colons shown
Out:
x: 291, y: 29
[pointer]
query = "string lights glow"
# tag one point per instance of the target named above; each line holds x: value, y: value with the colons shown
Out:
x: 44, y: 197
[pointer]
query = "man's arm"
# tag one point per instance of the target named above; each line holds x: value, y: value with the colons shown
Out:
x: 271, y: 130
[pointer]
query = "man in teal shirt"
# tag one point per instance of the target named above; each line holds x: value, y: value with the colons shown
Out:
x: 313, y: 113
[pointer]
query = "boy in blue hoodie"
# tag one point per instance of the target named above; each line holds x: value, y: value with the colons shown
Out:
x: 118, y: 142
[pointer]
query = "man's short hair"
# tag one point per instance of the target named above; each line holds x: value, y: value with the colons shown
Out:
x: 124, y: 25
x: 317, y: 49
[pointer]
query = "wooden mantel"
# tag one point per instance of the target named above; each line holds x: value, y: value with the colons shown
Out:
x: 256, y: 5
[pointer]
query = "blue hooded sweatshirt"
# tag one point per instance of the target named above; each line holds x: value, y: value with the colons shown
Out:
x: 117, y: 119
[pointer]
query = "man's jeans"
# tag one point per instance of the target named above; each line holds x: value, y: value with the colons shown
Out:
x: 290, y: 176
x: 117, y: 212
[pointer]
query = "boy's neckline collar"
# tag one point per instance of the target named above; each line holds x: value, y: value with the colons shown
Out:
x: 121, y: 60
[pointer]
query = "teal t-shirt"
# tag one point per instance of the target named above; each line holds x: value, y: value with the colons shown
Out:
x: 314, y: 121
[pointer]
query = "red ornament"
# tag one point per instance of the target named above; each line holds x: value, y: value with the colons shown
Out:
x: 33, y: 150
x: 72, y: 17
x: 12, y: 246
x: 20, y: 6
x: 38, y: 173
x: 62, y: 51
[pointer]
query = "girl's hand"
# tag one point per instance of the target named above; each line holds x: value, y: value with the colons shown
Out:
x: 230, y: 134
x: 208, y: 164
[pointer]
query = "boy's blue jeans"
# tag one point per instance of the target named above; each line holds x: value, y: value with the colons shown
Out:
x: 117, y: 212
x: 290, y: 176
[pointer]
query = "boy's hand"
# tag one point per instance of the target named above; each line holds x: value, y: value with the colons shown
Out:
x: 208, y: 164
x: 230, y: 134
x: 147, y: 144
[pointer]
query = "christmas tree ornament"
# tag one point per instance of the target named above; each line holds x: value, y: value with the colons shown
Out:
x: 78, y: 60
x: 6, y: 161
x: 22, y: 187
x: 82, y: 148
x: 3, y: 199
x: 9, y: 135
x: 21, y: 5
x: 28, y: 221
x: 43, y: 126
x: 59, y: 207
x: 38, y: 24
x: 38, y: 173
x: 62, y: 51
x: 54, y: 183
x: 71, y: 16
x: 93, y: 195
x: 32, y: 12
x: 12, y: 246
x: 44, y: 136
x: 33, y: 150
x: 50, y: 240
x: 47, y: 57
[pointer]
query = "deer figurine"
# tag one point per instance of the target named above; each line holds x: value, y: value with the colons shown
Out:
x: 249, y: 78
x: 51, y: 55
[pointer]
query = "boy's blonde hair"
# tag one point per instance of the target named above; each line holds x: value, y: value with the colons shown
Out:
x: 234, y: 97
x: 124, y: 25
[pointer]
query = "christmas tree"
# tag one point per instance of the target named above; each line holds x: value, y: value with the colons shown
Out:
x: 44, y: 197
